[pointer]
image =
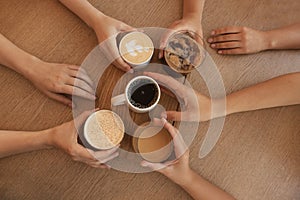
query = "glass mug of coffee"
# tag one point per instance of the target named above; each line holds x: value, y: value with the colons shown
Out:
x: 136, y: 48
x: 141, y: 94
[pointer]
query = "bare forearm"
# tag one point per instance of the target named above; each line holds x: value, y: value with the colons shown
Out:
x: 83, y: 9
x: 199, y: 188
x: 194, y: 8
x: 287, y: 37
x: 14, y: 57
x: 279, y: 91
x: 15, y: 142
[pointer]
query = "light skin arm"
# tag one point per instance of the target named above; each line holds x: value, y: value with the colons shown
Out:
x: 193, y: 8
x: 15, y: 142
x: 105, y: 27
x: 287, y: 37
x: 50, y: 78
x: 180, y: 172
x: 245, y: 40
x: 63, y: 137
x: 279, y: 91
x: 199, y: 188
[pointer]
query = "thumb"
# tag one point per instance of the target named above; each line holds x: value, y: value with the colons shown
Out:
x: 154, y: 166
x: 173, y: 115
x: 126, y: 27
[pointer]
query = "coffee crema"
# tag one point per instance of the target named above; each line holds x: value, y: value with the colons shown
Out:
x: 104, y: 129
x: 136, y: 48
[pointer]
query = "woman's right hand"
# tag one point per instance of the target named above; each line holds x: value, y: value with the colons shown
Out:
x: 197, y: 107
x: 64, y: 137
x: 107, y: 29
x: 178, y: 168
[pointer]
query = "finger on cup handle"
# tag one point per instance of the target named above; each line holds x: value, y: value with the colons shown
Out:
x: 158, y: 122
x: 173, y: 116
x: 179, y: 144
x: 121, y: 64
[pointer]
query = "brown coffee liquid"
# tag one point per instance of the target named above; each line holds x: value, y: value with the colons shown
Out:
x: 144, y: 96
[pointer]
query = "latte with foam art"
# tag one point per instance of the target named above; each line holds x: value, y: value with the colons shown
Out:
x: 136, y: 48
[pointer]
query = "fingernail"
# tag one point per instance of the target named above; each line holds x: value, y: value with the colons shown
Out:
x: 213, y: 32
x: 143, y: 164
x: 219, y: 52
x: 164, y: 115
x: 131, y: 71
x: 164, y: 120
x: 210, y: 40
x: 159, y: 55
x: 73, y: 105
x: 213, y: 45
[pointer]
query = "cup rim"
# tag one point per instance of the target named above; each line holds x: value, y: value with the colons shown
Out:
x: 139, y: 131
x: 151, y: 48
x: 87, y: 121
x: 199, y: 45
x: 150, y: 107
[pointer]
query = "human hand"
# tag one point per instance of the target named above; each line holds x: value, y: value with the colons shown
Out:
x: 238, y: 40
x: 107, y: 30
x: 64, y: 137
x: 179, y: 167
x: 188, y: 23
x: 54, y: 80
x: 197, y: 107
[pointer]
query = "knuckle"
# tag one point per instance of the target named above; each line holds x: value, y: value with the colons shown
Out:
x: 71, y: 151
x: 55, y: 86
x: 243, y: 28
x: 75, y: 159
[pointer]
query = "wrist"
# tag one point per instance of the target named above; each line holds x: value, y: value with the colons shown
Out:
x: 24, y: 66
x: 45, y: 138
x: 96, y: 20
x: 231, y: 106
x: 195, y: 17
x: 270, y: 41
x: 186, y: 179
x: 29, y: 66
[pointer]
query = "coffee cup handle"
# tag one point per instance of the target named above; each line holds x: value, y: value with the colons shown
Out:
x: 118, y: 100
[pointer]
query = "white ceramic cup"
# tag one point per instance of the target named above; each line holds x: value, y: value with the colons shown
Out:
x: 107, y: 137
x: 137, y: 49
x: 131, y: 87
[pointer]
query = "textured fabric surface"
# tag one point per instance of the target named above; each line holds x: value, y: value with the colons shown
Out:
x: 257, y: 156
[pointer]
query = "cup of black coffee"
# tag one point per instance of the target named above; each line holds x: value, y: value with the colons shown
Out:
x: 141, y: 94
